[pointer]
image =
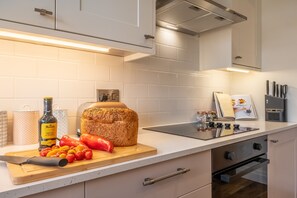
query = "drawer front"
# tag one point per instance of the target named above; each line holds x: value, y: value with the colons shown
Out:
x: 204, y: 192
x: 73, y: 191
x: 130, y: 183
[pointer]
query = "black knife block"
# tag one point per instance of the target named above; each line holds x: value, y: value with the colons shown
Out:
x: 275, y: 109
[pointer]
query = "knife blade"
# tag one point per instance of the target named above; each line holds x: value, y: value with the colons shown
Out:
x: 273, y: 88
x: 267, y: 87
x: 43, y: 161
x: 285, y: 90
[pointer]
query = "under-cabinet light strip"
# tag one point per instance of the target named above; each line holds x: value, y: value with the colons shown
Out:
x: 237, y: 70
x: 43, y: 40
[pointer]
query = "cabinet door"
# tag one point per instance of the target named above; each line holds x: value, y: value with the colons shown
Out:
x: 23, y: 11
x: 130, y: 183
x: 245, y: 35
x: 282, y: 173
x: 123, y: 21
x: 73, y: 191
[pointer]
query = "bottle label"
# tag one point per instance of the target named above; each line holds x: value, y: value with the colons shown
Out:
x: 48, y: 142
x: 49, y: 131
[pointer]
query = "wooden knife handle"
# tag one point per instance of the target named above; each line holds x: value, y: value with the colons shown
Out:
x: 48, y: 161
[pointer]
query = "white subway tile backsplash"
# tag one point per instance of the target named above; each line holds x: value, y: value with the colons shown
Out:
x: 35, y: 88
x: 141, y: 76
x: 186, y: 80
x: 116, y: 73
x: 28, y: 104
x: 71, y: 125
x: 169, y: 52
x: 135, y: 90
x: 6, y: 87
x: 69, y: 104
x: 186, y: 55
x: 57, y: 69
x: 168, y: 105
x: 168, y: 79
x: 157, y: 64
x: 130, y: 103
x: 162, y: 89
x: 69, y: 89
x: 86, y: 89
x: 6, y: 47
x: 158, y: 91
x: 148, y: 105
x: 93, y: 72
x: 17, y: 66
x: 39, y: 51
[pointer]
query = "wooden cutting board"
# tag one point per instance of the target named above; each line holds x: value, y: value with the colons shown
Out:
x: 26, y: 173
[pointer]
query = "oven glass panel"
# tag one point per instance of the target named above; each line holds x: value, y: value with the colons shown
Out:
x: 252, y: 184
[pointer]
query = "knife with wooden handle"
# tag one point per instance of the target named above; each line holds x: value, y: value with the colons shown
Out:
x: 43, y: 161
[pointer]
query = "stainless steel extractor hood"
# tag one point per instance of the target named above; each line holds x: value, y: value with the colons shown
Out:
x: 194, y: 16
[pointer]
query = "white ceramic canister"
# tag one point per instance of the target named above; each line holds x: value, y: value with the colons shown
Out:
x: 62, y: 119
x: 3, y: 128
x: 25, y: 127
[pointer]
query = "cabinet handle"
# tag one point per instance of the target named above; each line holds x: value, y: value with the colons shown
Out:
x: 147, y: 36
x: 150, y: 181
x: 43, y: 11
x: 274, y: 141
x: 238, y: 57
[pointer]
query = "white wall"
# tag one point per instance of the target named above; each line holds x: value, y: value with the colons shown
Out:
x: 165, y: 88
x: 279, y: 55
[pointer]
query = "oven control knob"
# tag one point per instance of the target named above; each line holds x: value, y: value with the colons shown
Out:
x: 229, y: 155
x: 227, y: 125
x: 236, y: 126
x: 219, y: 125
x: 257, y: 146
x: 211, y: 124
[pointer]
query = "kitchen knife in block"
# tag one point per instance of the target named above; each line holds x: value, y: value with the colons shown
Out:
x: 43, y: 161
x: 273, y: 88
x: 267, y: 87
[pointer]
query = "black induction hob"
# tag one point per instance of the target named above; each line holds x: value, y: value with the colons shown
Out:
x: 205, y: 131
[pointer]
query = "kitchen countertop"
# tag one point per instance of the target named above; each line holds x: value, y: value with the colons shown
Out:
x: 168, y: 146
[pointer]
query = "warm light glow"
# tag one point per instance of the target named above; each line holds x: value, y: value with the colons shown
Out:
x: 237, y: 70
x: 172, y: 27
x: 56, y: 42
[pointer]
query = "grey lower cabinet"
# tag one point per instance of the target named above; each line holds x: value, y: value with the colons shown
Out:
x: 192, y: 184
x: 282, y: 169
x: 73, y: 191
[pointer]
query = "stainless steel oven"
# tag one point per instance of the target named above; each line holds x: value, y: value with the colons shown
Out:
x: 239, y: 170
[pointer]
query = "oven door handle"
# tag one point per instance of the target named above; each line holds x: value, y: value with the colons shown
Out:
x: 226, y: 177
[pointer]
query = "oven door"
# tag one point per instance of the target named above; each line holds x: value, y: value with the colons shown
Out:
x: 243, y: 180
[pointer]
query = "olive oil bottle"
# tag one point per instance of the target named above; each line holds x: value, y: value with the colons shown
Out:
x: 47, y: 125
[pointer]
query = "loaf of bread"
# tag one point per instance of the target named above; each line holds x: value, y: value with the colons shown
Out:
x: 117, y: 123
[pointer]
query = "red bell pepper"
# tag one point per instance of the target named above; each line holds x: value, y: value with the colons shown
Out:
x: 96, y: 142
x: 69, y: 141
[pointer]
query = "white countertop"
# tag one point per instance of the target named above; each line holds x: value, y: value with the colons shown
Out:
x: 168, y: 146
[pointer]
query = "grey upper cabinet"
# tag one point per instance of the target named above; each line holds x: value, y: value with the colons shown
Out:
x: 123, y: 21
x: 31, y: 12
x: 246, y: 35
x: 127, y: 27
x: 237, y: 45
